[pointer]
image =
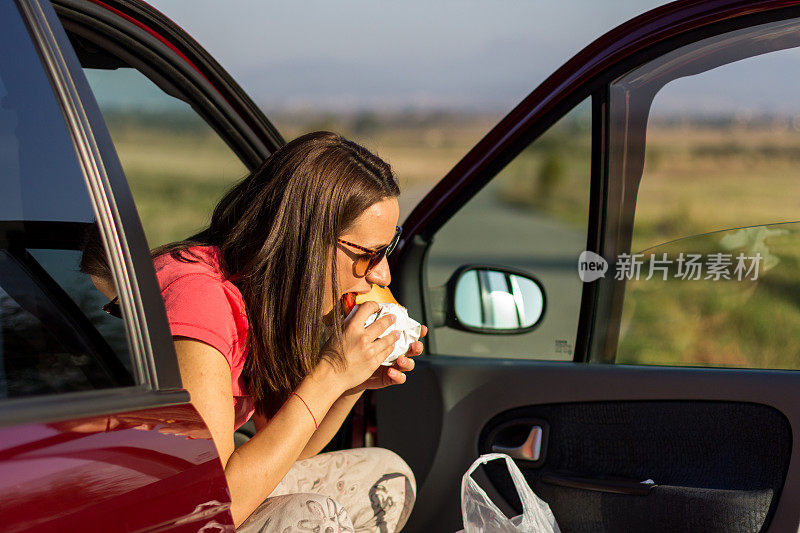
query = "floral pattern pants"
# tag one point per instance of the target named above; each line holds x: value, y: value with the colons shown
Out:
x: 357, y: 490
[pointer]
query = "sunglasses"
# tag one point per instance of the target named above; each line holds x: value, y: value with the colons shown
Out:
x: 113, y: 308
x: 371, y: 258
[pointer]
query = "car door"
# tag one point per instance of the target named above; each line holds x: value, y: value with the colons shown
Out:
x: 643, y: 394
x: 95, y: 431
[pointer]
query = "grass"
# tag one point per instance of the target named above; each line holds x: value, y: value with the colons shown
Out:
x: 552, y: 175
x: 692, y: 184
x: 420, y: 147
x: 698, y: 180
x: 748, y: 323
x: 176, y: 175
x: 178, y: 168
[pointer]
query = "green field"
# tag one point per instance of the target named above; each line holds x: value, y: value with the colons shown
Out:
x: 701, y: 184
x: 178, y: 168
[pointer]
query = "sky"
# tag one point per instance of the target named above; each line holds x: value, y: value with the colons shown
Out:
x: 414, y: 54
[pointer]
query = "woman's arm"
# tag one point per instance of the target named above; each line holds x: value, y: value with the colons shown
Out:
x: 327, y: 428
x: 207, y: 377
x: 255, y: 469
x: 330, y: 425
x: 341, y: 408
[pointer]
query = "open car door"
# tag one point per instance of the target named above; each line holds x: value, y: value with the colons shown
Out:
x: 649, y: 384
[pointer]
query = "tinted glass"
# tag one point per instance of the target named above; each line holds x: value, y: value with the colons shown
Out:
x: 715, y: 227
x: 52, y: 338
x: 532, y: 216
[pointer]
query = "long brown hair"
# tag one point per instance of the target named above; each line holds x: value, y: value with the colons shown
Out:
x: 276, y: 230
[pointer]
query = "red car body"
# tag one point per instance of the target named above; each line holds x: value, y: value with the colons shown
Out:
x: 150, y: 470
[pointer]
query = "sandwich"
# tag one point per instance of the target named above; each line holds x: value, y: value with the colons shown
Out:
x: 377, y: 294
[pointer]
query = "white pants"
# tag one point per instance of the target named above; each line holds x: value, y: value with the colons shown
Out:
x: 357, y: 490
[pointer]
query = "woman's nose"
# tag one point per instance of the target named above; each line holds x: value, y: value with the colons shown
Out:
x: 380, y: 275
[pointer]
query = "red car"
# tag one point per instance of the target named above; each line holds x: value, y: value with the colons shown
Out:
x: 613, y: 394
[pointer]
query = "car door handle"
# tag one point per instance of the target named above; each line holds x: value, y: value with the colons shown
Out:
x: 530, y: 450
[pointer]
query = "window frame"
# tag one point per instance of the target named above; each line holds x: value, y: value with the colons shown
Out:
x: 186, y: 74
x: 425, y: 239
x: 151, y: 349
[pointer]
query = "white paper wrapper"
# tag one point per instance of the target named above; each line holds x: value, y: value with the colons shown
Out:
x: 409, y: 328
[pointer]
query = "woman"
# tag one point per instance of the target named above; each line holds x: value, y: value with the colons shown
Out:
x: 249, y: 301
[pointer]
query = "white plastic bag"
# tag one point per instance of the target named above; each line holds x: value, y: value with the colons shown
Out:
x: 481, y: 515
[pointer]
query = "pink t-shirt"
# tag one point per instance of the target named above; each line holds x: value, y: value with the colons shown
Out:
x: 201, y: 304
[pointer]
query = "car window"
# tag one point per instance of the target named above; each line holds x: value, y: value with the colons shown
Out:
x: 54, y: 335
x: 713, y: 277
x: 531, y: 218
x: 175, y: 163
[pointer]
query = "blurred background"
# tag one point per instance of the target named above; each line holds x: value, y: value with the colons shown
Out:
x: 417, y: 82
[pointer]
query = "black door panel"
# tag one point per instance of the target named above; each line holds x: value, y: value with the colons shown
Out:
x: 590, y: 409
x: 715, y: 465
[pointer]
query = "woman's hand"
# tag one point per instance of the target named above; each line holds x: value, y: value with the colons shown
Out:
x: 364, y: 348
x: 385, y: 376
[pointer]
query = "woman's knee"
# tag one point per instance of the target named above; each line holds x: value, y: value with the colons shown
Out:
x: 392, y: 465
x: 393, y: 493
x: 298, y: 512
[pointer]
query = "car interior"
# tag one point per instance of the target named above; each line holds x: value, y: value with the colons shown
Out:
x: 51, y: 330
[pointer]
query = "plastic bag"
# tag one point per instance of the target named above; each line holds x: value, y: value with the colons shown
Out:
x: 481, y: 515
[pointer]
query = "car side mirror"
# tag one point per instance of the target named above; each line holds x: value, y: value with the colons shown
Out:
x: 490, y: 299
